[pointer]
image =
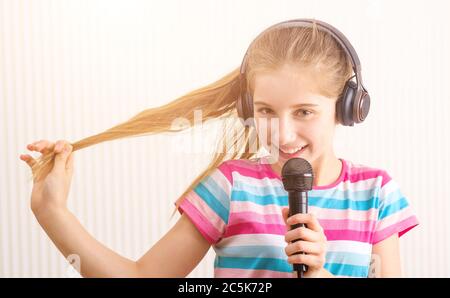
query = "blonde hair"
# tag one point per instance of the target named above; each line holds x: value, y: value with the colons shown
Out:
x: 306, y: 47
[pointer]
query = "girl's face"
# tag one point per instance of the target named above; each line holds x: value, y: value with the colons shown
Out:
x: 305, y: 117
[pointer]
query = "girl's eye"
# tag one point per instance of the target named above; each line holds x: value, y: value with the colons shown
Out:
x: 301, y: 113
x: 304, y: 113
x: 263, y: 110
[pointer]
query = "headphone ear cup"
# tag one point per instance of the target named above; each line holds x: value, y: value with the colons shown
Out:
x: 344, y: 106
x: 363, y: 106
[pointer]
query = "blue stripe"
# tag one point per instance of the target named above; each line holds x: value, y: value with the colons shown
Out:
x: 347, y: 270
x: 331, y: 203
x: 253, y: 263
x: 360, y: 195
x: 212, y: 202
x: 265, y: 251
x: 322, y: 202
x: 392, y: 208
x: 217, y: 192
x: 392, y: 197
x: 348, y: 258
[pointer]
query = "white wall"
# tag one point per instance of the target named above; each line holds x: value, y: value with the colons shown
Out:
x: 71, y: 69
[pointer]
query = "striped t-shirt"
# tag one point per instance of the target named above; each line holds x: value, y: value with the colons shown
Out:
x: 237, y: 208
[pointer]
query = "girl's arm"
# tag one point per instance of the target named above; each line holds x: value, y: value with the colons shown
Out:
x: 174, y: 255
x: 386, y: 258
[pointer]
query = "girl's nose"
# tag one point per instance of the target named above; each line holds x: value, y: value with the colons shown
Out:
x: 286, y: 131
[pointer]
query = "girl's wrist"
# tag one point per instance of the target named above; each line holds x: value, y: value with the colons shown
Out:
x: 49, y: 213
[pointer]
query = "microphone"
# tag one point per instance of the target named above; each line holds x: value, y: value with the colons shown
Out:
x: 297, y: 176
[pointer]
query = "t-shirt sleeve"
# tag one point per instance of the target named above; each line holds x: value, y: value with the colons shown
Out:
x: 208, y: 204
x: 395, y: 214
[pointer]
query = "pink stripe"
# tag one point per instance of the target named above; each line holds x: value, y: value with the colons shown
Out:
x: 400, y: 228
x: 348, y: 235
x: 353, y: 175
x: 239, y: 217
x: 241, y: 163
x: 202, y: 224
x: 348, y: 173
x: 255, y: 228
x: 226, y: 171
x: 254, y: 173
x: 342, y: 224
x: 368, y: 174
x: 245, y: 273
x: 329, y: 224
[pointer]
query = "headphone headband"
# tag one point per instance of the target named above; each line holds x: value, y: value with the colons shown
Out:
x: 337, y: 35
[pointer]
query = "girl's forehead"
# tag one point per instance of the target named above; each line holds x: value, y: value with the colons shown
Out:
x: 287, y: 86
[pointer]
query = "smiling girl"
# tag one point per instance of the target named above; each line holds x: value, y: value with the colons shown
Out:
x: 296, y: 75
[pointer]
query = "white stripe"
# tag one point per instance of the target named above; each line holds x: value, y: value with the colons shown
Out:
x: 394, y: 218
x: 259, y: 182
x: 343, y: 186
x: 222, y: 181
x: 252, y: 239
x: 388, y: 188
x: 349, y: 246
x: 360, y: 185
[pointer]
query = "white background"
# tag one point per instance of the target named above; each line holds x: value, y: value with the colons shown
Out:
x: 72, y: 69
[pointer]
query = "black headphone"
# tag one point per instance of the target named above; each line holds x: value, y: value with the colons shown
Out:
x: 354, y: 103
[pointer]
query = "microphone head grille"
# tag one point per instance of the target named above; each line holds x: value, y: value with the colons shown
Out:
x: 297, y: 175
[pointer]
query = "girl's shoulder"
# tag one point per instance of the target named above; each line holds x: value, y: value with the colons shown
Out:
x: 356, y: 172
x: 255, y: 168
x: 253, y: 164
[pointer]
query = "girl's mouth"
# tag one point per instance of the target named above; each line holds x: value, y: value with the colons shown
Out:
x: 285, y: 155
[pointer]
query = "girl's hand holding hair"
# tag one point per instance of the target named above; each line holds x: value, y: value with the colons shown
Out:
x: 51, y: 192
x: 313, y: 242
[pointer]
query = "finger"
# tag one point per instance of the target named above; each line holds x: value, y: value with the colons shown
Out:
x: 28, y: 159
x: 314, y: 261
x: 303, y: 246
x: 59, y: 146
x: 309, y: 219
x: 61, y: 158
x: 42, y: 146
x: 35, y: 143
x: 304, y: 234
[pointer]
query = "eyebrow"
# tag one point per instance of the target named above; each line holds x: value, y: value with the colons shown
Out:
x: 294, y: 106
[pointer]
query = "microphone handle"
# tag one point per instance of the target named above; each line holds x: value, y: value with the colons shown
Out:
x: 298, y: 203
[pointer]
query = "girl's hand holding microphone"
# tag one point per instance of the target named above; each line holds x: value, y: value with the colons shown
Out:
x: 51, y: 192
x: 313, y: 242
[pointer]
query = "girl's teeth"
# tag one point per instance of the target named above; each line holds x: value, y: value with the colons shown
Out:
x: 292, y: 151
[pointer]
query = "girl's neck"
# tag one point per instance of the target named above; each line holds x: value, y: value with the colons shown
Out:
x: 327, y: 171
